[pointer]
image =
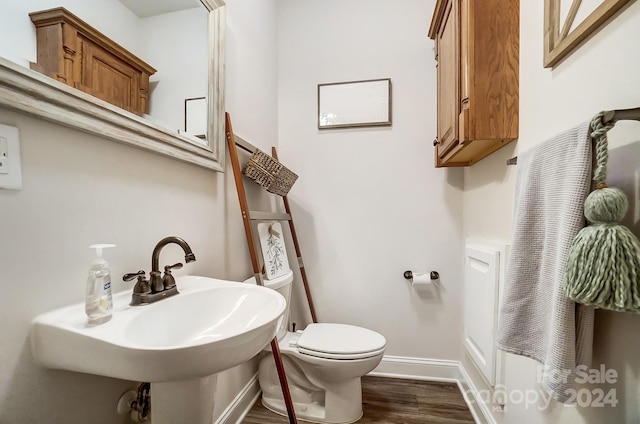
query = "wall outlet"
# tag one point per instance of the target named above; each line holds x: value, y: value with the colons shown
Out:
x: 4, y: 155
x: 10, y: 162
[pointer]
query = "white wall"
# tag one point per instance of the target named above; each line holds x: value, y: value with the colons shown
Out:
x: 79, y: 189
x: 601, y: 75
x: 370, y: 204
x: 251, y: 102
x: 176, y: 45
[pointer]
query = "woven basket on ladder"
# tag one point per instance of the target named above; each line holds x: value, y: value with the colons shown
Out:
x: 269, y: 173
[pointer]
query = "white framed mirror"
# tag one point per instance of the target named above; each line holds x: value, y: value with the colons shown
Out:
x: 30, y: 92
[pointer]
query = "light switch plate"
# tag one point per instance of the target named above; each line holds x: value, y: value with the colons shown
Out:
x: 10, y: 161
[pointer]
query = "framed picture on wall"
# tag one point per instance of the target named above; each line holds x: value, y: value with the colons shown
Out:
x: 354, y: 104
x: 568, y: 23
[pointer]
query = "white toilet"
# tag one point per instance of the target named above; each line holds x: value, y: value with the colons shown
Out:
x: 323, y: 364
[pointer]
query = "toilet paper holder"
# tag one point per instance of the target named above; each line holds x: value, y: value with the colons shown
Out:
x: 434, y: 275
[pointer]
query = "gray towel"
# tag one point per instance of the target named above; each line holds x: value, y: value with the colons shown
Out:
x: 536, y: 319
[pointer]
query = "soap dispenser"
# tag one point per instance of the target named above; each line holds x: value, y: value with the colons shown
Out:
x: 98, y: 301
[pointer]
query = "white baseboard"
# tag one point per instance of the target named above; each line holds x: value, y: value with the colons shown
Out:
x: 478, y: 408
x: 390, y: 366
x: 242, y: 403
x: 418, y: 368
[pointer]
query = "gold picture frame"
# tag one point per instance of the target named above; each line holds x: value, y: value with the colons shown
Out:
x: 560, y: 40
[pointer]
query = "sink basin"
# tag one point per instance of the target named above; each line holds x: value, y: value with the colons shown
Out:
x: 212, y: 325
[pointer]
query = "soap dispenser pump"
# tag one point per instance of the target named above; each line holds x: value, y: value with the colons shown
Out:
x: 99, y: 301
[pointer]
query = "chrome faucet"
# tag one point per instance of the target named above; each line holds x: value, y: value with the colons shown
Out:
x: 158, y: 287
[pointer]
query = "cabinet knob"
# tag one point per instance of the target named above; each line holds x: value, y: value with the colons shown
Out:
x: 435, y: 142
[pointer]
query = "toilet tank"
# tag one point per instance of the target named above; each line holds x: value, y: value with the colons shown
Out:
x: 282, y: 285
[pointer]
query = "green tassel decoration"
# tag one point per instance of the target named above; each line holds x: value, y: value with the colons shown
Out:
x: 603, y: 268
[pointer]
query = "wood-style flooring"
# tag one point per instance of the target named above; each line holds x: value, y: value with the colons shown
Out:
x: 395, y: 401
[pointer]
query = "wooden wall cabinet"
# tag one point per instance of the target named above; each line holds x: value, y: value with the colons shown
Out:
x: 73, y: 52
x: 477, y: 53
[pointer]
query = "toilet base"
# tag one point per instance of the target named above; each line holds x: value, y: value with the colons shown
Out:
x: 330, y: 402
x: 313, y: 413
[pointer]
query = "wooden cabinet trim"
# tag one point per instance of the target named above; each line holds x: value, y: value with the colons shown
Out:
x: 438, y: 14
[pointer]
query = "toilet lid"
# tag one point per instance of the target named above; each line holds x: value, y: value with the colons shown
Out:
x: 340, y: 341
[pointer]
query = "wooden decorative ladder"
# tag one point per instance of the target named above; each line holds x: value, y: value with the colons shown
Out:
x: 248, y: 217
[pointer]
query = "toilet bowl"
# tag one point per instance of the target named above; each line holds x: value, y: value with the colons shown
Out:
x: 323, y: 364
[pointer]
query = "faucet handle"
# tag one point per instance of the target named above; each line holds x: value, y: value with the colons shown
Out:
x: 168, y: 268
x: 131, y: 276
x: 167, y: 280
x: 142, y: 285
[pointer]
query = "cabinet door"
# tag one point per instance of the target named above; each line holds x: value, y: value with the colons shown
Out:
x: 464, y: 67
x: 109, y: 78
x: 448, y: 79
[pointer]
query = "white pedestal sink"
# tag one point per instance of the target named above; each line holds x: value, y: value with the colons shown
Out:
x: 183, y: 401
x: 177, y: 344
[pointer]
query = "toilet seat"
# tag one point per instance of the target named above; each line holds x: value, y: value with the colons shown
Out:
x: 340, y: 341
